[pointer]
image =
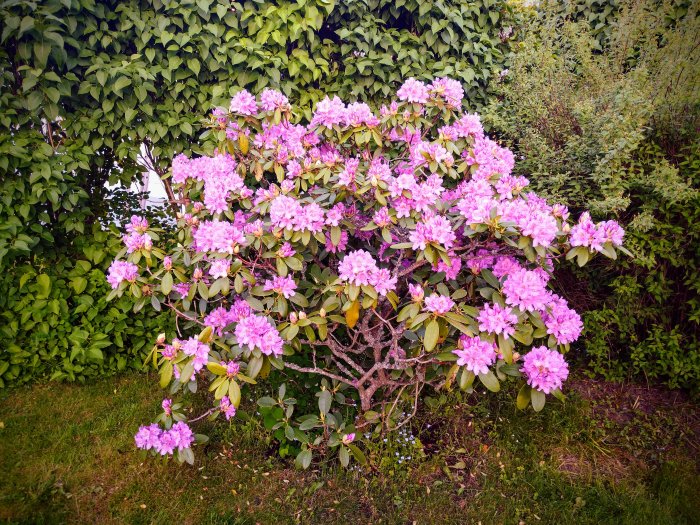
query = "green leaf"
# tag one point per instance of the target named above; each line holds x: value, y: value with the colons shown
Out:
x: 166, y: 374
x: 344, y: 455
x: 324, y: 401
x: 357, y: 453
x: 490, y: 381
x: 166, y: 285
x: 194, y: 65
x: 432, y: 333
x: 523, y: 399
x: 303, y: 459
x: 44, y: 283
x: 234, y: 393
x: 538, y: 399
x: 466, y: 379
x: 266, y: 402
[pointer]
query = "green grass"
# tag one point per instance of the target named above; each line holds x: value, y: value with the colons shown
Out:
x: 609, y: 455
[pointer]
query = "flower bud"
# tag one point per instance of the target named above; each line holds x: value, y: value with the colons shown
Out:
x: 197, y: 274
x: 168, y: 263
x: 302, y: 315
x: 161, y: 339
x: 236, y: 249
x: 322, y: 312
x: 516, y: 356
x: 293, y: 318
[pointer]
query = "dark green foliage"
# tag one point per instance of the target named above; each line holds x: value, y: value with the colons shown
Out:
x: 55, y: 321
x: 616, y: 132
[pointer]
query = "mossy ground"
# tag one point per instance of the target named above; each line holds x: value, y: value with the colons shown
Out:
x: 611, y: 454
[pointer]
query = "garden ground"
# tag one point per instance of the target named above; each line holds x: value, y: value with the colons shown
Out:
x: 611, y: 454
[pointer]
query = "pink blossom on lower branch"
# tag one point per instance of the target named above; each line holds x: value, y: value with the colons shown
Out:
x: 475, y: 353
x: 545, y: 369
x: 165, y: 442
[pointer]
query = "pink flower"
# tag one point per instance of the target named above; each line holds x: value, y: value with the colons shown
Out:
x: 436, y: 230
x: 527, y: 290
x: 282, y: 285
x: 357, y: 268
x: 348, y: 438
x: 256, y: 331
x: 449, y: 89
x: 148, y: 437
x: 227, y: 408
x: 476, y: 354
x: 218, y: 236
x: 271, y: 99
x: 219, y: 268
x: 232, y: 369
x: 329, y: 112
x: 382, y: 218
x: 120, y: 271
x: 545, y: 369
x: 561, y: 321
x: 243, y: 103
x: 497, y: 320
x: 413, y: 91
x: 438, y: 304
x: 167, y: 263
x: 137, y: 225
x: 416, y: 291
x: 286, y: 250
x: 167, y: 406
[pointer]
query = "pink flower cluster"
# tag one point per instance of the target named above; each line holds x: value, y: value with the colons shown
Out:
x: 282, y: 285
x: 436, y: 230
x: 165, y: 442
x: 438, y: 304
x: 561, y: 321
x: 120, y: 271
x: 218, y: 236
x: 220, y: 317
x: 595, y: 236
x: 360, y: 268
x: 256, y: 331
x: 288, y: 213
x: 545, y: 369
x: 197, y: 349
x: 496, y: 319
x: 227, y: 408
x: 527, y: 290
x: 475, y: 353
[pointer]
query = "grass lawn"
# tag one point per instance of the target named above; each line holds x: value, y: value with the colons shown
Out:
x: 612, y: 454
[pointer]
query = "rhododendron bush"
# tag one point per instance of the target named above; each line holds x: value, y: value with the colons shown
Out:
x: 384, y: 253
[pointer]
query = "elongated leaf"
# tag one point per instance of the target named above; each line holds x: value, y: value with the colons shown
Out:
x: 490, y: 381
x: 324, y: 401
x: 432, y: 333
x: 523, y: 399
x: 538, y: 399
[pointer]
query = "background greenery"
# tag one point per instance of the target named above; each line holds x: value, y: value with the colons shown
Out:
x: 599, y: 100
x: 85, y: 85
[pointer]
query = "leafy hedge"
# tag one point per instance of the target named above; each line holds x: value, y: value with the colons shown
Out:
x: 55, y: 321
x: 616, y: 131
